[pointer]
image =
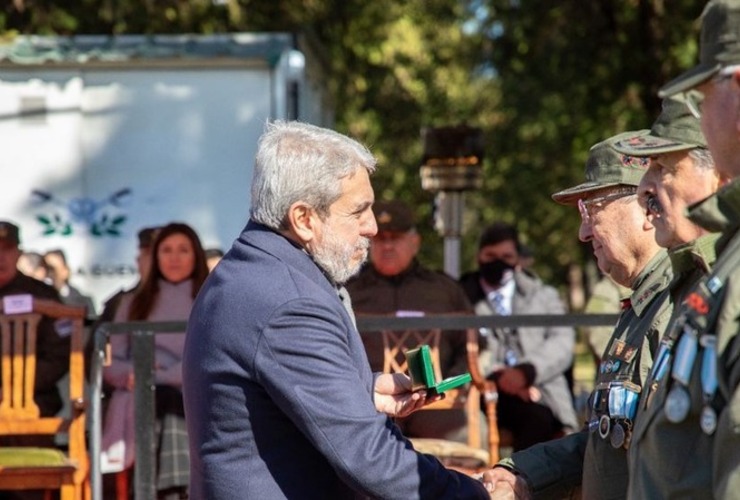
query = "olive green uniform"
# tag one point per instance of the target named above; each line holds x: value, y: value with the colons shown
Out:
x: 554, y: 468
x: 679, y: 459
x: 605, y: 299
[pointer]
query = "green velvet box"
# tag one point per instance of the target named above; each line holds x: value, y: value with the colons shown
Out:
x: 421, y: 371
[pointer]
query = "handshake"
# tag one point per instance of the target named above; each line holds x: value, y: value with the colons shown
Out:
x: 502, y: 484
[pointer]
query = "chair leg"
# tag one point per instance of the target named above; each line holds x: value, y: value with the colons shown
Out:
x: 70, y: 492
x: 122, y: 482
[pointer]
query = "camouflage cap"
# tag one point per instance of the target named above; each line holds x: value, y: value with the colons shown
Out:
x: 605, y: 167
x: 720, y: 46
x: 676, y: 129
x: 9, y: 232
x: 394, y: 216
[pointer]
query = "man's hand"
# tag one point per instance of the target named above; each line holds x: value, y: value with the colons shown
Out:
x: 502, y: 491
x: 512, y: 381
x: 393, y: 395
x: 502, y: 483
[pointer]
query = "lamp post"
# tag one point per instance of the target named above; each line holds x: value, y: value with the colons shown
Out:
x: 452, y: 164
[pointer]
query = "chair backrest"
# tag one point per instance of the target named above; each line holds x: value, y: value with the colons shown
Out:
x: 19, y: 413
x: 396, y: 342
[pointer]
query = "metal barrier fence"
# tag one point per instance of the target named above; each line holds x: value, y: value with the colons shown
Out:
x: 142, y: 343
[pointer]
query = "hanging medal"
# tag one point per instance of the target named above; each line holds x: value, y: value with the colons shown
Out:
x: 678, y: 402
x: 617, y: 435
x: 623, y: 398
x: 662, y: 360
x: 605, y: 425
x: 708, y: 418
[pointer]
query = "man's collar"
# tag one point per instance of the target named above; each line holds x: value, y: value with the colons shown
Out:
x: 719, y: 211
x: 700, y: 253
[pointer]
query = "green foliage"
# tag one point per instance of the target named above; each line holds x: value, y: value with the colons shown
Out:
x: 544, y: 79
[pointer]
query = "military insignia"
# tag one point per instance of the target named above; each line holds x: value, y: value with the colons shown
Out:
x: 629, y: 353
x: 697, y: 303
x: 604, y: 426
x: 647, y: 142
x: 635, y: 161
x: 708, y: 420
x: 619, y: 347
x: 648, y: 293
x: 623, y: 351
x: 677, y: 404
x: 617, y: 435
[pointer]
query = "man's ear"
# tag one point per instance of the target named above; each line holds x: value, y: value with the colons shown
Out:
x: 416, y: 241
x: 301, y: 220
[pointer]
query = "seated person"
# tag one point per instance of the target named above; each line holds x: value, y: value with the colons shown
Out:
x: 59, y: 274
x: 32, y: 264
x: 528, y: 363
x: 52, y: 344
x: 394, y: 282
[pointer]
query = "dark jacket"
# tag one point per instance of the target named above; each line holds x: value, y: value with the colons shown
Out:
x: 52, y: 349
x: 278, y: 392
x: 672, y: 460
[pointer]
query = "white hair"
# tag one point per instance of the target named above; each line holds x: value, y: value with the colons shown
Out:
x: 297, y: 161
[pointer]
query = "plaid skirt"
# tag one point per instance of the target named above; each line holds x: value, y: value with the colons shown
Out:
x: 173, y: 455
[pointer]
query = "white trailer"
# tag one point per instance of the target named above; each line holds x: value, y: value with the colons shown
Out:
x: 101, y: 136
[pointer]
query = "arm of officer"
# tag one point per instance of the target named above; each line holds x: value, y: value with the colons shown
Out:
x: 546, y: 470
x: 502, y: 483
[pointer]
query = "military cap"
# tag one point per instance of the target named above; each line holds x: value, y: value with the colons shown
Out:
x: 394, y: 216
x: 720, y: 46
x: 676, y: 129
x: 606, y: 167
x: 9, y: 233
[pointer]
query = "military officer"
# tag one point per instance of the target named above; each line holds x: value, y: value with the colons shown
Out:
x: 597, y: 457
x: 689, y: 419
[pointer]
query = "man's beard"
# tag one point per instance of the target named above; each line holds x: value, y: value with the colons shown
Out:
x: 334, y: 256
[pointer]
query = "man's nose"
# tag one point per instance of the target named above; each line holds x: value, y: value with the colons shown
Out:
x: 585, y: 232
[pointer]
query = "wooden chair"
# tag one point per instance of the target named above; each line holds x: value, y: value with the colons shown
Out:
x: 472, y: 456
x: 23, y: 468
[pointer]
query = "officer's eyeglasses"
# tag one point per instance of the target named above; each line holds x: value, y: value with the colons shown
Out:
x: 588, y: 208
x: 694, y: 98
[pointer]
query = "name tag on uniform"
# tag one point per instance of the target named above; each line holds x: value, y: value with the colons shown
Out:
x: 18, y: 304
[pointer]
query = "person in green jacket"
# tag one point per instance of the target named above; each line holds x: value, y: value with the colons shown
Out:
x: 687, y: 442
x: 596, y: 458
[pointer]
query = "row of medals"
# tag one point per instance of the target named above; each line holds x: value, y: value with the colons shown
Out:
x: 619, y: 432
x: 678, y: 401
x: 678, y: 404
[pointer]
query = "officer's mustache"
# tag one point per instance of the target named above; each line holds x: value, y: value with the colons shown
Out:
x: 654, y: 207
